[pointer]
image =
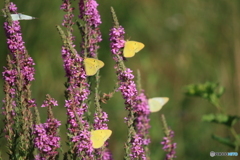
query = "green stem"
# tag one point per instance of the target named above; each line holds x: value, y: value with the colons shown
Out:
x: 235, y: 135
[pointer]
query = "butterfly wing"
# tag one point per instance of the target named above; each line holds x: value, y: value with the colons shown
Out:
x: 15, y: 17
x: 128, y: 50
x: 98, y: 137
x: 99, y: 64
x: 92, y: 65
x: 131, y: 48
x: 156, y: 104
x: 20, y: 16
x: 138, y: 46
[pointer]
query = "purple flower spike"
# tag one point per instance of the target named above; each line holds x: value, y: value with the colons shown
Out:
x: 137, y: 149
x: 75, y: 105
x: 77, y: 92
x: 66, y: 7
x: 17, y: 76
x: 46, y: 135
x: 100, y: 119
x: 90, y: 30
x: 46, y: 139
x: 142, y: 120
x: 18, y: 52
x: 91, y: 36
x: 135, y: 103
x: 89, y: 12
x: 117, y: 41
x: 169, y: 146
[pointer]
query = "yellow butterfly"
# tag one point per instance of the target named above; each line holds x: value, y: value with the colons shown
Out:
x: 98, y: 137
x: 131, y: 48
x: 156, y: 103
x: 92, y: 65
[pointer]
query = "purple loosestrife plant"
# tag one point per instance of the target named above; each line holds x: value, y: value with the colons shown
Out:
x: 168, y: 145
x: 130, y: 94
x: 46, y: 138
x: 17, y: 76
x: 91, y: 36
x: 23, y: 132
x: 90, y: 39
x: 90, y: 29
x: 142, y: 121
x: 100, y: 119
x: 134, y: 103
x: 77, y: 91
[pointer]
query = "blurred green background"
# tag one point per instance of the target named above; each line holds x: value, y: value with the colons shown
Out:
x: 186, y: 41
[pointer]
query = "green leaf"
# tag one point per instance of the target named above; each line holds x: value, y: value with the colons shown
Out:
x: 208, y: 90
x: 227, y: 120
x: 225, y: 141
x: 208, y: 118
x: 221, y: 90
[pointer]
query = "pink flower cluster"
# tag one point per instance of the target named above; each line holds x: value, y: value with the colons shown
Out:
x: 117, y: 42
x: 46, y: 139
x: 133, y: 102
x: 89, y: 14
x: 17, y: 50
x: 169, y: 146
